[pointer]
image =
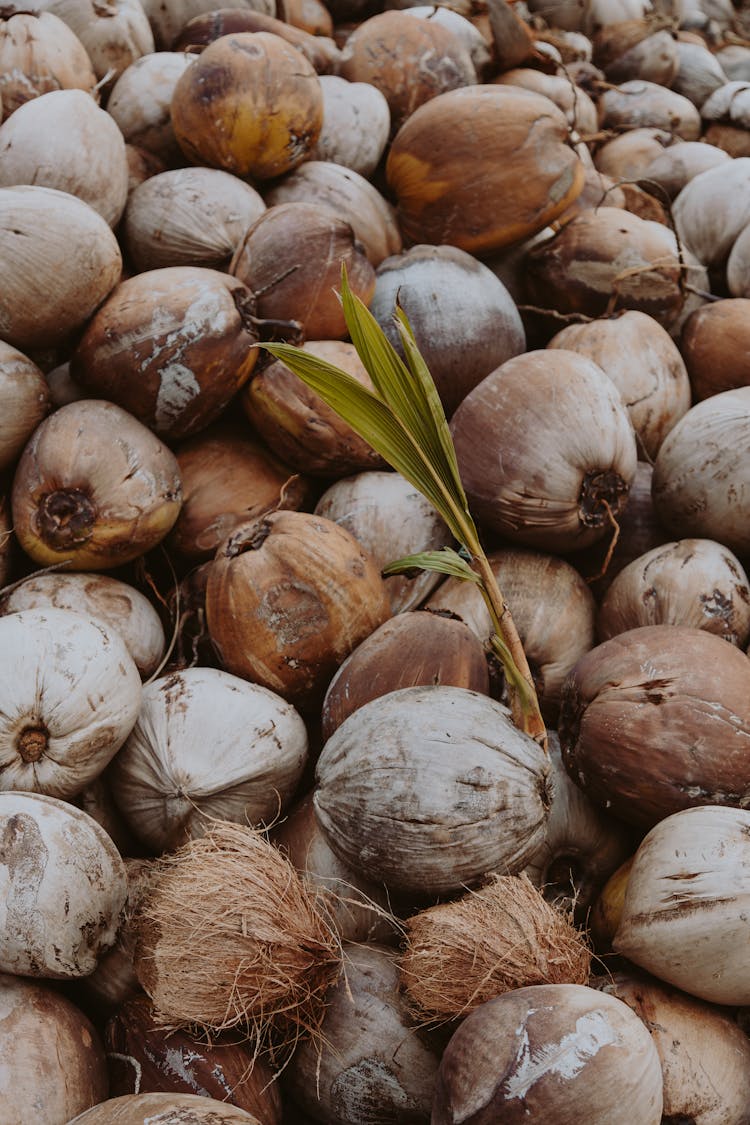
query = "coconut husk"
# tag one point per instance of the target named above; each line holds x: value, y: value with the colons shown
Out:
x: 504, y: 936
x: 228, y: 936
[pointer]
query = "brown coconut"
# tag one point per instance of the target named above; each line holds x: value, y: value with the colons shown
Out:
x: 291, y: 258
x: 656, y: 720
x: 229, y: 936
x: 299, y: 427
x: 716, y: 347
x: 524, y: 173
x: 503, y: 936
x: 410, y: 61
x: 207, y: 27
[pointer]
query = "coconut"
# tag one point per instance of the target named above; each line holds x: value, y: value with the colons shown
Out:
x: 228, y: 935
x: 503, y: 936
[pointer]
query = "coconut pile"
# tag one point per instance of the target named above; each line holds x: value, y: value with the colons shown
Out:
x: 292, y: 831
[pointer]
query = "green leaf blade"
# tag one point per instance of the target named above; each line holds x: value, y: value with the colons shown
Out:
x: 444, y: 561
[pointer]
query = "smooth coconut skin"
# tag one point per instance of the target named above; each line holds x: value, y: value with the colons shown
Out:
x: 356, y: 124
x: 551, y: 1052
x: 39, y: 53
x: 523, y: 171
x: 684, y: 917
x: 51, y: 1060
x: 64, y: 888
x: 657, y: 719
x: 24, y: 401
x: 250, y: 104
x: 208, y: 26
x: 716, y: 347
x: 531, y: 471
x: 94, y: 487
x: 704, y: 1055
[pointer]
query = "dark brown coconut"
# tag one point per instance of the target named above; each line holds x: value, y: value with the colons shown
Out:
x: 658, y: 719
x: 531, y: 470
x: 291, y: 259
x: 143, y: 1058
x: 53, y: 1064
x: 288, y: 598
x: 228, y: 479
x: 411, y: 649
x: 204, y: 29
x: 410, y: 61
x: 299, y: 426
x: 171, y: 346
x: 716, y: 347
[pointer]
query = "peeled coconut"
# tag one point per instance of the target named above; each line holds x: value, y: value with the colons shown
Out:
x: 71, y: 694
x: 356, y: 124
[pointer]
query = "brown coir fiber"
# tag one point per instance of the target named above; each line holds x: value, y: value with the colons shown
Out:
x: 506, y: 935
x: 228, y: 936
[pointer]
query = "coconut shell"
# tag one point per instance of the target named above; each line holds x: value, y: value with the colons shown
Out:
x: 516, y: 187
x: 390, y: 519
x: 554, y: 1052
x: 168, y: 1109
x: 574, y: 478
x: 170, y: 346
x: 430, y: 788
x: 24, y: 401
x: 60, y: 260
x: 372, y: 1065
x: 704, y: 1056
x: 288, y: 598
x: 412, y: 649
x: 713, y: 209
x: 643, y: 362
x: 145, y: 1059
x: 410, y: 61
x: 716, y: 347
x: 625, y: 157
x: 115, y: 33
x: 700, y: 476
x: 641, y: 104
x: 464, y: 320
x: 657, y: 719
x: 694, y: 582
x: 140, y: 101
x: 52, y: 1059
x: 356, y: 125
x: 299, y: 426
x: 250, y: 104
x: 39, y: 53
x: 226, y: 480
x: 209, y: 26
x: 65, y: 888
x: 93, y: 487
x: 291, y: 258
x: 350, y: 196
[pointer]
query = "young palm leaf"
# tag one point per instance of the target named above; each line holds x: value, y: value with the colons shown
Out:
x: 403, y: 420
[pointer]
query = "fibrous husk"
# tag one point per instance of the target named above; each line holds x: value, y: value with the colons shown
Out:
x: 228, y: 935
x: 504, y: 936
